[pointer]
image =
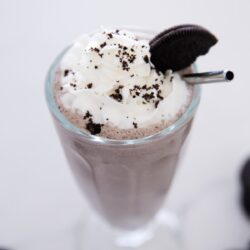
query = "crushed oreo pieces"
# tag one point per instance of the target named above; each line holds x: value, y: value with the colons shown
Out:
x: 90, y: 85
x: 135, y: 125
x: 152, y: 95
x: 125, y: 66
x: 97, y: 51
x: 159, y: 95
x: 157, y: 103
x: 87, y: 115
x: 117, y: 94
x: 110, y: 35
x: 147, y: 97
x: 126, y: 56
x: 103, y: 45
x: 73, y: 85
x: 66, y: 72
x: 156, y: 86
x: 93, y: 128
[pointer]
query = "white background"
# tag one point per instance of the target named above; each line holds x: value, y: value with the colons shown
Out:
x: 38, y: 196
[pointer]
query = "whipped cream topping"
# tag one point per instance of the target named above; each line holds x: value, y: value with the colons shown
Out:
x: 108, y: 76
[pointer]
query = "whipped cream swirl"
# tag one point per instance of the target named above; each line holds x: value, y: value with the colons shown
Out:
x: 109, y: 75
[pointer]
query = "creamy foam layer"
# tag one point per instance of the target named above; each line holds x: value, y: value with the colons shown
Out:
x: 108, y: 78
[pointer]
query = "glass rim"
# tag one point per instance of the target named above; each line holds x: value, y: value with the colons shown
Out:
x: 53, y: 107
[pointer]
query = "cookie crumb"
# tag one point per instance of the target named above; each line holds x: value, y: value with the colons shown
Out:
x: 93, y: 128
x: 135, y: 125
x: 66, y: 72
x: 90, y: 85
x: 87, y: 115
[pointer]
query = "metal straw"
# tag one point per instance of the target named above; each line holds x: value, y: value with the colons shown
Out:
x: 209, y: 77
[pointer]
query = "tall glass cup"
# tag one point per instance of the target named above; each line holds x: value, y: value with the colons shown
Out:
x: 125, y: 181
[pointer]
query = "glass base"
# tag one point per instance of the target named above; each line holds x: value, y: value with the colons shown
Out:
x: 162, y: 233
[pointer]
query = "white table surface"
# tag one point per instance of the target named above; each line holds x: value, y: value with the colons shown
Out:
x: 38, y: 196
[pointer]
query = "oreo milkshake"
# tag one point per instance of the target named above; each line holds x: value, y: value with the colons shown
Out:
x: 122, y: 123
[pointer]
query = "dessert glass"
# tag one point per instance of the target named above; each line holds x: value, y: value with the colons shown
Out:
x: 124, y: 181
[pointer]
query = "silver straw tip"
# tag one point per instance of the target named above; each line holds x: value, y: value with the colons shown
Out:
x: 229, y: 75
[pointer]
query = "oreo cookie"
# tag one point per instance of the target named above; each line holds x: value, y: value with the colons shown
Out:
x: 245, y: 182
x: 170, y: 30
x: 178, y: 47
